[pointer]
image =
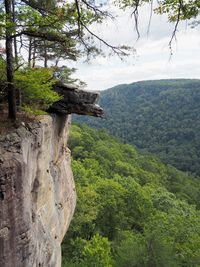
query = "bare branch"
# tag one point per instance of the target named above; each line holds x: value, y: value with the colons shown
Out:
x: 18, y: 66
x: 150, y: 17
x: 97, y: 11
x: 176, y: 26
x: 115, y: 49
x: 79, y: 25
x: 136, y: 14
x: 79, y: 17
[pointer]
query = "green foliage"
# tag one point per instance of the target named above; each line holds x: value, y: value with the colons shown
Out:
x: 33, y: 111
x: 36, y: 86
x: 97, y: 252
x: 159, y: 117
x: 131, y: 209
x: 2, y: 78
x: 51, y: 31
x: 130, y: 250
x: 185, y: 10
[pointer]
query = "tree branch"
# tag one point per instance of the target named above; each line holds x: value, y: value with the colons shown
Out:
x: 97, y: 11
x: 176, y: 26
x: 136, y: 14
x: 115, y: 49
x: 54, y: 37
x: 36, y: 6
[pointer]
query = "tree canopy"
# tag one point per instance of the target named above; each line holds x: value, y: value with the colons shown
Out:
x: 132, y: 210
x: 51, y: 30
x: 159, y: 117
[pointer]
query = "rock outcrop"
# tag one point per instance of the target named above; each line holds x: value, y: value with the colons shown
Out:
x: 75, y: 100
x: 37, y: 193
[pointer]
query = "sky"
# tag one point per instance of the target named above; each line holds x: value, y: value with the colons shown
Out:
x: 152, y: 58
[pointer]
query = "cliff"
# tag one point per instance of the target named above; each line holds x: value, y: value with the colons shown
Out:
x: 37, y: 191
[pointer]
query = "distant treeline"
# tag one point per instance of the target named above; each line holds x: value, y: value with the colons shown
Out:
x: 160, y: 117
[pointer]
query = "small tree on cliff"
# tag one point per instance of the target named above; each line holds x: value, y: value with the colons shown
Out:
x: 46, y: 27
x: 32, y: 19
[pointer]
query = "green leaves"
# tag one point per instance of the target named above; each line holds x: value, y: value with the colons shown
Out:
x: 125, y: 215
x: 36, y: 87
x: 97, y: 252
x: 157, y: 117
x: 186, y: 9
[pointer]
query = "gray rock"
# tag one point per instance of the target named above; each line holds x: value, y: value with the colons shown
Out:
x: 75, y: 100
x: 37, y: 195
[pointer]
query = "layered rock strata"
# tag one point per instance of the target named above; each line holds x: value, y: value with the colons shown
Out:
x: 75, y: 100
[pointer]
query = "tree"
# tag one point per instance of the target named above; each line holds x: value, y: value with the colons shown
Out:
x: 129, y: 220
x: 9, y: 60
x: 35, y: 21
x: 94, y: 252
x: 45, y: 27
x: 97, y: 252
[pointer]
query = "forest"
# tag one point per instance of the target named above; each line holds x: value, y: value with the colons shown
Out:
x: 159, y: 117
x: 36, y: 35
x: 132, y: 210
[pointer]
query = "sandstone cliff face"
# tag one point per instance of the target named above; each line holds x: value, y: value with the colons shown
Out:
x: 37, y: 193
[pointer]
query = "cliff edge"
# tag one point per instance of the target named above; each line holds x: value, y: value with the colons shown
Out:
x: 37, y: 193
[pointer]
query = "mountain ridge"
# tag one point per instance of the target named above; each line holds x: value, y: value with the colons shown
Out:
x: 157, y: 116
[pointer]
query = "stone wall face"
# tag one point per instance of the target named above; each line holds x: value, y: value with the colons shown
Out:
x: 37, y: 193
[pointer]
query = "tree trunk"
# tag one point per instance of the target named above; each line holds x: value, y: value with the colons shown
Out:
x: 34, y: 52
x: 15, y: 38
x: 18, y: 91
x: 45, y: 55
x: 29, y: 52
x: 9, y: 61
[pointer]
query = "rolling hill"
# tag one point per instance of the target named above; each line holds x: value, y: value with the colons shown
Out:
x: 160, y: 117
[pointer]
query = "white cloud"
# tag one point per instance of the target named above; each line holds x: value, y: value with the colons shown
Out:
x: 152, y: 58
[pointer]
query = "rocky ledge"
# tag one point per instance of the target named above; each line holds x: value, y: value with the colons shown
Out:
x: 37, y: 191
x: 75, y: 100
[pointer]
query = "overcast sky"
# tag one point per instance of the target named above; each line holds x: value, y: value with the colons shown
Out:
x: 152, y: 57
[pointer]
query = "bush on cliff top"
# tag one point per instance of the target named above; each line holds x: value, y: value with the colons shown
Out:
x: 34, y: 86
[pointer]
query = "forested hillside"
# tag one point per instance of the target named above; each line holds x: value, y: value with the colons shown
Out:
x: 161, y: 117
x: 132, y: 210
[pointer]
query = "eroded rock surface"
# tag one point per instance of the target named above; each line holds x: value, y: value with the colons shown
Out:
x: 75, y: 100
x: 37, y: 193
